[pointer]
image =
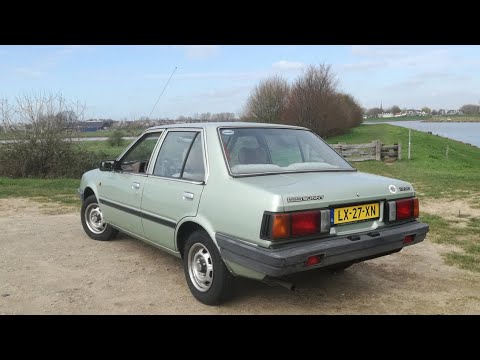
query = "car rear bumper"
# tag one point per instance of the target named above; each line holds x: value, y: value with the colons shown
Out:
x: 291, y: 258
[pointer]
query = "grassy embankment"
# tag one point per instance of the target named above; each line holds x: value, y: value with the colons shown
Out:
x: 434, y: 177
x: 432, y: 174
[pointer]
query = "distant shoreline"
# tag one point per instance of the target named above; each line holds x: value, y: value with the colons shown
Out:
x: 466, y: 120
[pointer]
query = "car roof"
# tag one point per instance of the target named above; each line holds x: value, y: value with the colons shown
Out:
x: 236, y: 124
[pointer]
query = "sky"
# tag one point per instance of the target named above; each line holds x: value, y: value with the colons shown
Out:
x: 124, y: 82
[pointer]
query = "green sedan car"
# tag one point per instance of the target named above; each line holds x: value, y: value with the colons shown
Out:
x: 242, y: 199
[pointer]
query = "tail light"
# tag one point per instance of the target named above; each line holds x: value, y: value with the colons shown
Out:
x: 402, y: 209
x: 295, y: 224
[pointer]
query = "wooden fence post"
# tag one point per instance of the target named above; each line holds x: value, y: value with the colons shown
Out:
x: 399, y: 151
x: 378, y: 150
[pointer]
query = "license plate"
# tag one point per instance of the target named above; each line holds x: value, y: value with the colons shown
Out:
x: 355, y: 213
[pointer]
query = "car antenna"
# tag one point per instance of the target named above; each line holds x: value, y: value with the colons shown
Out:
x: 151, y: 112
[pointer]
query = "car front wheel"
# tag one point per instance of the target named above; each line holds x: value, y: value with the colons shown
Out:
x: 93, y: 222
x: 207, y: 276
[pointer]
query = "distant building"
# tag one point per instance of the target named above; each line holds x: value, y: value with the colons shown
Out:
x: 89, y: 126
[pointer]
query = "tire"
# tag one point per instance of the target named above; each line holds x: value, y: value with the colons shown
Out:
x: 207, y: 276
x: 92, y: 221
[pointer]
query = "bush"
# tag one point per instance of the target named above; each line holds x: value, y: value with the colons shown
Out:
x: 47, y: 160
x: 116, y: 138
x: 41, y: 129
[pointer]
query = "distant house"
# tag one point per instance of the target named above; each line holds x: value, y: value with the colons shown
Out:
x: 89, y: 126
x: 385, y: 115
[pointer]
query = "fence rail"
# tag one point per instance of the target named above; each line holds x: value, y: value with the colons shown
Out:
x: 371, y: 151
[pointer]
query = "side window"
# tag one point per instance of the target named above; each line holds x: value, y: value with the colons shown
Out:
x: 136, y: 160
x: 194, y: 166
x: 175, y: 148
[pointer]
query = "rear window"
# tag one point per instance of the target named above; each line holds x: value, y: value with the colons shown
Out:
x: 262, y: 150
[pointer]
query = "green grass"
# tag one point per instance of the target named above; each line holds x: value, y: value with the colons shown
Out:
x: 59, y: 190
x: 428, y: 170
x: 107, y: 133
x: 103, y: 147
x: 467, y: 239
x: 433, y: 176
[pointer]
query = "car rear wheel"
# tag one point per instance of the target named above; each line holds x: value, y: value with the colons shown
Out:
x: 207, y: 276
x: 93, y: 222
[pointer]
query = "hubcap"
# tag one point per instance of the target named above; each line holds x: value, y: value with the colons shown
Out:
x: 94, y: 219
x: 200, y: 267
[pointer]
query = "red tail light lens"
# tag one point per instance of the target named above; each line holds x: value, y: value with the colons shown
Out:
x: 296, y: 224
x: 305, y: 223
x: 406, y: 209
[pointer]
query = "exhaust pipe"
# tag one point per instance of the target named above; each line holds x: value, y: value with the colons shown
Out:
x: 277, y: 281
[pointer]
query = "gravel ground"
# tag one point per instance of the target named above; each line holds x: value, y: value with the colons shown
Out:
x: 49, y: 266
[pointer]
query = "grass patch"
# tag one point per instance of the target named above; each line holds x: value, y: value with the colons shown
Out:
x: 103, y: 148
x: 428, y: 170
x: 444, y: 232
x: 464, y: 261
x: 107, y: 133
x: 63, y: 191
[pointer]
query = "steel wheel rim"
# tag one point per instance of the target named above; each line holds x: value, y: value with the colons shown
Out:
x: 94, y: 219
x: 200, y: 267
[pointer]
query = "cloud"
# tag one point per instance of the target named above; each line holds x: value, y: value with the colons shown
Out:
x: 365, y: 65
x: 49, y: 61
x: 226, y: 93
x: 285, y: 65
x: 29, y: 72
x: 199, y: 51
x: 378, y: 50
x: 210, y: 75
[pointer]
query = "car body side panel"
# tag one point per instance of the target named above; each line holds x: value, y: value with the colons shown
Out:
x: 167, y: 201
x: 120, y: 199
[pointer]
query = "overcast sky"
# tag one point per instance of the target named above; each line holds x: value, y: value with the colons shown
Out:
x: 125, y: 81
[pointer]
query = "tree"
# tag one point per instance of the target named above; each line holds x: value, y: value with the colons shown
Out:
x: 395, y: 109
x: 374, y: 112
x: 434, y: 112
x: 315, y: 103
x: 267, y: 101
x: 427, y: 110
x: 41, y: 128
x: 470, y: 109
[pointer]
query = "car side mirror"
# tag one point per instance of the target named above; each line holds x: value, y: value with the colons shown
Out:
x: 108, y: 165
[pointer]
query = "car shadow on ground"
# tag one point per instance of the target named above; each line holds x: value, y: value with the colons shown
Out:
x: 314, y: 287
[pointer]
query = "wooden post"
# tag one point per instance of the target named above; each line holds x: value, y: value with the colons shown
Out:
x: 399, y: 151
x: 378, y: 150
x: 409, y: 143
x: 446, y: 153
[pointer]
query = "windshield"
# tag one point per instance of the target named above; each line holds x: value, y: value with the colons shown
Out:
x: 262, y: 150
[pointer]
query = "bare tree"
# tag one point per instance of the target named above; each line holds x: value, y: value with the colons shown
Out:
x: 40, y: 128
x: 395, y: 109
x: 426, y: 110
x: 268, y: 101
x: 374, y: 112
x: 313, y: 100
x: 470, y: 109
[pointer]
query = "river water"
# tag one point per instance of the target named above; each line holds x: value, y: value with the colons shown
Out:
x: 462, y: 131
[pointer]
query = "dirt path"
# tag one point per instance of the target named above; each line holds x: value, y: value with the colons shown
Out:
x: 49, y: 266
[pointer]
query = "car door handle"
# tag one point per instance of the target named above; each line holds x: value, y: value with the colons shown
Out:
x: 187, y: 195
x: 135, y: 185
